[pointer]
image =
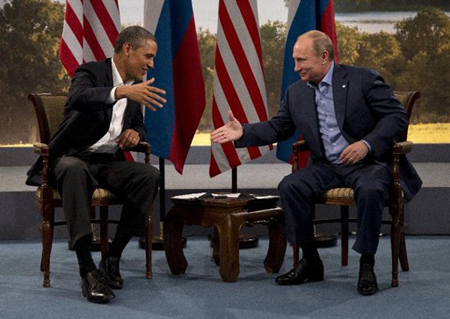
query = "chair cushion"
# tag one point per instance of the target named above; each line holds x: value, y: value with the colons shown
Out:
x: 337, y: 196
x: 100, y: 195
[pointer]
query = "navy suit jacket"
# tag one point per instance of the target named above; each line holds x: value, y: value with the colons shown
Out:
x: 366, y: 108
x: 87, y: 115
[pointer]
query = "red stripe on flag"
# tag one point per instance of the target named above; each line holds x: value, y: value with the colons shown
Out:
x: 232, y: 98
x: 188, y: 95
x: 228, y: 148
x: 91, y: 39
x: 252, y: 27
x: 105, y: 20
x: 74, y: 24
x: 67, y: 59
x: 242, y: 62
x: 213, y: 167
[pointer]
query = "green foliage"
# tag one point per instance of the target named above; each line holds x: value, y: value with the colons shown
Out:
x: 207, y: 46
x: 273, y: 40
x: 29, y: 38
x: 417, y: 58
x: 387, y: 5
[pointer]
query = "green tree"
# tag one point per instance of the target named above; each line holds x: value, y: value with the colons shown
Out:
x: 207, y: 45
x: 29, y: 38
x: 349, y: 39
x: 273, y: 41
x: 424, y: 32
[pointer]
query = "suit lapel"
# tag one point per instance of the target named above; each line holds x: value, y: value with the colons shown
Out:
x: 340, y: 88
x: 109, y: 82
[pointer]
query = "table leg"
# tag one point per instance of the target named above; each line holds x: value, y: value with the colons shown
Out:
x: 277, y: 246
x: 215, y: 246
x: 173, y: 246
x: 229, y: 248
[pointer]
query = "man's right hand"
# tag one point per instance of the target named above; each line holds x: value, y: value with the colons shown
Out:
x: 143, y: 93
x: 231, y: 131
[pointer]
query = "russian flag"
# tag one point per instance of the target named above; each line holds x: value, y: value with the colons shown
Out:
x: 303, y: 16
x: 177, y: 70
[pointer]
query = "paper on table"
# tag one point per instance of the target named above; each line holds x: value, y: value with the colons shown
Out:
x: 229, y: 195
x: 264, y: 196
x: 189, y: 196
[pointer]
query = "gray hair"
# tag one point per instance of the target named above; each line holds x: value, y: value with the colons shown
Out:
x: 321, y: 42
x: 135, y: 35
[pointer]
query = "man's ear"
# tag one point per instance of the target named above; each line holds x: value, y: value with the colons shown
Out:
x: 126, y: 48
x: 325, y: 56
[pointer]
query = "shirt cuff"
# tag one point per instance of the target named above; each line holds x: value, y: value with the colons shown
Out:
x: 368, y: 145
x: 112, y: 96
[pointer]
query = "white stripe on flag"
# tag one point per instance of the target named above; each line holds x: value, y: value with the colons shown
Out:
x: 152, y: 12
x: 72, y: 43
x: 293, y: 6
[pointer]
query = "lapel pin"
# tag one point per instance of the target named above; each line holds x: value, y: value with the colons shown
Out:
x: 343, y: 86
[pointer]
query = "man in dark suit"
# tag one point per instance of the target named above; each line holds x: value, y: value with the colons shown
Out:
x: 102, y: 117
x: 350, y: 119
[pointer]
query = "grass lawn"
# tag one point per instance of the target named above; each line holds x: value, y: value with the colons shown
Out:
x: 418, y: 133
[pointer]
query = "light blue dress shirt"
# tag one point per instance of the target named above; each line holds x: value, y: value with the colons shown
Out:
x: 333, y: 140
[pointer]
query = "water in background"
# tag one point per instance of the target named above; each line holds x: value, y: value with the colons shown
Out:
x: 206, y: 11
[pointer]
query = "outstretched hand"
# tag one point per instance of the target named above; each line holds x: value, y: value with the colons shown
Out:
x: 231, y: 131
x: 142, y: 93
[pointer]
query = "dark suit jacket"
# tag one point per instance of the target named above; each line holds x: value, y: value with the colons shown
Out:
x: 366, y: 108
x: 87, y: 115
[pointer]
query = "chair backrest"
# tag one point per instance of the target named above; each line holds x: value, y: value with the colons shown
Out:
x: 408, y: 99
x: 49, y: 109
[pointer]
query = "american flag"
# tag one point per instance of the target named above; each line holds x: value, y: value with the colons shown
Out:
x: 89, y: 33
x: 238, y: 80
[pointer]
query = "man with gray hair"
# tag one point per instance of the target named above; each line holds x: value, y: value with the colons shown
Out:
x: 349, y: 118
x: 103, y: 117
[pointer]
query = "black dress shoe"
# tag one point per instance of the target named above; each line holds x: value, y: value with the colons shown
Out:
x: 95, y: 289
x: 305, y: 271
x: 110, y: 269
x: 367, y: 282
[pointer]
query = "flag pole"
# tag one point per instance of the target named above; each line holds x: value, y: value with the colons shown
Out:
x: 246, y: 240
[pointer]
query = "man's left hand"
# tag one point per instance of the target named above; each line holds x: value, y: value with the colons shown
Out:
x: 128, y: 139
x: 354, y: 153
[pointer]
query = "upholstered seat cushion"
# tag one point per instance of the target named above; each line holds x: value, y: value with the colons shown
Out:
x: 100, y: 195
x: 337, y: 196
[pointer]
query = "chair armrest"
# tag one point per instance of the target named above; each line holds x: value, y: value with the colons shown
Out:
x: 143, y: 147
x: 402, y: 147
x: 40, y: 148
x: 299, y: 146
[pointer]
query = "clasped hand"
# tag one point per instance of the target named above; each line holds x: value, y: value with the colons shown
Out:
x: 142, y: 93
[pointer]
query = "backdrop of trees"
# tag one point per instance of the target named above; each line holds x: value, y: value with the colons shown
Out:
x: 416, y: 57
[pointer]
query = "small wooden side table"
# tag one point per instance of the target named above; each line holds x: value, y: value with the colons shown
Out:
x: 227, y: 215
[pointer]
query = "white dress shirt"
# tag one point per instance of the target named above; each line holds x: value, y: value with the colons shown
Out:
x: 107, y: 144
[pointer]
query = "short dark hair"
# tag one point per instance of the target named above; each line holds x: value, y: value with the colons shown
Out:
x: 321, y: 42
x: 135, y: 35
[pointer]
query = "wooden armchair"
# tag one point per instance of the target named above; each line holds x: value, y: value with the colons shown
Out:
x: 49, y: 110
x: 343, y: 197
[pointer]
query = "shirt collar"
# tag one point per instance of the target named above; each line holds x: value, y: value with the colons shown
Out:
x: 117, y: 79
x: 327, y: 79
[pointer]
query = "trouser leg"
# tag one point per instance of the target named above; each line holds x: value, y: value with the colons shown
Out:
x: 371, y: 184
x: 137, y: 184
x: 297, y: 192
x: 76, y: 185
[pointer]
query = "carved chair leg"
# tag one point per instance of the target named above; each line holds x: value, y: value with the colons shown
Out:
x: 47, y: 241
x: 344, y: 235
x: 395, y: 247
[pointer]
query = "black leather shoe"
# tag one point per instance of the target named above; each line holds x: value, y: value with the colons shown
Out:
x: 95, y: 289
x: 110, y: 269
x: 367, y: 282
x: 305, y: 271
